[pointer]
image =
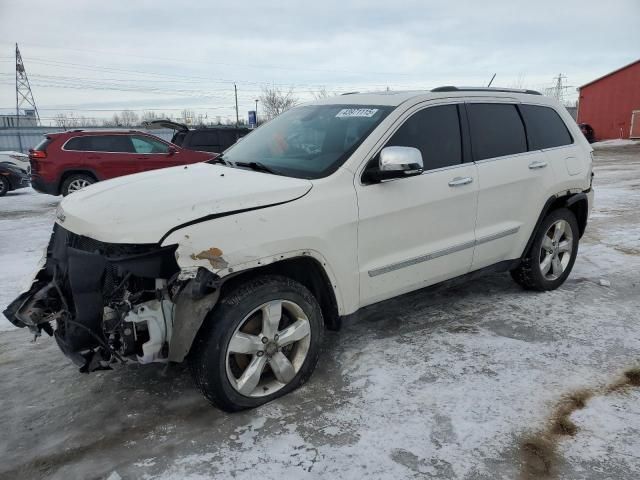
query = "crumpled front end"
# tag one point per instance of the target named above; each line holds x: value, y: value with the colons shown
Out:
x: 102, y: 302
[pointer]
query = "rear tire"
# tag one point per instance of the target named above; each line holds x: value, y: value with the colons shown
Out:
x: 252, y: 329
x: 550, y: 259
x: 76, y: 182
x: 5, y: 186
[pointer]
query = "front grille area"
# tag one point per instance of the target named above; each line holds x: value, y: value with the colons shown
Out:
x: 90, y: 245
x: 62, y: 240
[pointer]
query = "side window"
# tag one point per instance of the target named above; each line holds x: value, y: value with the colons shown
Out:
x: 77, y: 144
x: 148, y: 145
x: 204, y: 138
x: 435, y: 131
x: 496, y: 130
x: 107, y: 143
x: 545, y: 128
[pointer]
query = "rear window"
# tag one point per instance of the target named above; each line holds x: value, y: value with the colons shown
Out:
x: 545, y: 128
x: 496, y: 130
x: 43, y: 144
x: 101, y: 143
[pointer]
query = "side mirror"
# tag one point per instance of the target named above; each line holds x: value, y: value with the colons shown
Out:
x: 396, y: 162
x: 172, y: 151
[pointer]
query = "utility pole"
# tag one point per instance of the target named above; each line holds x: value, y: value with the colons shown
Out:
x: 235, y: 89
x: 256, y: 112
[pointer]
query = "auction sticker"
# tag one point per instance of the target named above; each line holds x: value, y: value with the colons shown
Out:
x: 357, y: 112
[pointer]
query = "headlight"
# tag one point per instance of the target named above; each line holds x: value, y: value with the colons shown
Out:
x: 60, y: 214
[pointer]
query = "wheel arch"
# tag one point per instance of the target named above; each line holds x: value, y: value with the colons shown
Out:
x: 578, y: 203
x: 305, y: 269
x: 76, y: 171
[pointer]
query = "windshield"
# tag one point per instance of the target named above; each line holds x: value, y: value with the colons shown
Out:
x: 310, y: 141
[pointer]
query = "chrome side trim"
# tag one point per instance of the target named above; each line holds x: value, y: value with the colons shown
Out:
x: 442, y: 253
x: 496, y: 236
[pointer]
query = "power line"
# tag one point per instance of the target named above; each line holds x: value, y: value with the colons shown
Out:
x: 260, y: 66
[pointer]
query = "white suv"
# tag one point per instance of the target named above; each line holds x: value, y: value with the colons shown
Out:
x: 238, y: 264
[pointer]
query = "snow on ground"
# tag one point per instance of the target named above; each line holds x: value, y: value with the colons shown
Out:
x: 435, y: 384
x: 26, y: 218
x: 617, y: 142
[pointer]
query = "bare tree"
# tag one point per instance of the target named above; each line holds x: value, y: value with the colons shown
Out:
x: 128, y: 118
x: 61, y: 120
x: 188, y: 116
x: 323, y: 93
x: 149, y: 116
x: 274, y: 101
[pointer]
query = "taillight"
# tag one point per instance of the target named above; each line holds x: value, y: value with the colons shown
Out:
x: 37, y: 154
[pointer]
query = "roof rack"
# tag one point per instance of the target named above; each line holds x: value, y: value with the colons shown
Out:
x: 449, y: 88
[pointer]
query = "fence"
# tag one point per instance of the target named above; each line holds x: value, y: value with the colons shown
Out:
x: 24, y: 138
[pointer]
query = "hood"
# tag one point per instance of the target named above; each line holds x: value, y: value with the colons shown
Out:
x: 142, y: 208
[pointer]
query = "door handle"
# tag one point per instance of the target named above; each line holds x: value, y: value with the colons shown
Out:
x: 458, y: 181
x: 537, y: 164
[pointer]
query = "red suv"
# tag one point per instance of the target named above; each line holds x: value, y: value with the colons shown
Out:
x: 63, y: 163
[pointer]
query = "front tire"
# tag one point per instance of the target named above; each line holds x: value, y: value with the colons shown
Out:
x: 76, y: 182
x: 260, y: 342
x: 550, y: 259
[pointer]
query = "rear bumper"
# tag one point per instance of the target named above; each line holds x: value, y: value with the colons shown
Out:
x: 43, y: 186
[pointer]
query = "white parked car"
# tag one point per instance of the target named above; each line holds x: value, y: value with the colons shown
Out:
x: 16, y: 159
x: 238, y: 264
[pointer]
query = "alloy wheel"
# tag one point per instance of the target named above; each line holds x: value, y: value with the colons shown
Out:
x: 556, y: 249
x: 78, y: 184
x: 268, y: 348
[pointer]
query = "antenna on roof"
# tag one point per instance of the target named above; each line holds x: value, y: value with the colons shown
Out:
x: 491, y: 81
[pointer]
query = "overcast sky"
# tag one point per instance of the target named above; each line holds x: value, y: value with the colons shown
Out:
x: 95, y: 57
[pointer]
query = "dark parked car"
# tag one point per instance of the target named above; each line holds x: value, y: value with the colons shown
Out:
x: 12, y: 178
x: 588, y: 132
x: 207, y: 139
x: 65, y: 162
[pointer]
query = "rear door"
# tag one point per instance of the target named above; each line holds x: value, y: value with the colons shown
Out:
x: 416, y: 231
x: 108, y: 156
x: 514, y: 182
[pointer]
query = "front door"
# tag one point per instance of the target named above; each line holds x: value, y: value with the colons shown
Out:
x: 152, y: 154
x: 417, y: 231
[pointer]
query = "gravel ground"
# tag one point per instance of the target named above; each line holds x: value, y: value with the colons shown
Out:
x: 471, y: 382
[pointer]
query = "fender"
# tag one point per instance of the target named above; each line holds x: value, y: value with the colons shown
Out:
x: 560, y: 200
x: 77, y: 169
x: 213, y: 261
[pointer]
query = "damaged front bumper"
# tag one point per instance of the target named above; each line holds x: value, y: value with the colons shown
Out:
x: 107, y: 302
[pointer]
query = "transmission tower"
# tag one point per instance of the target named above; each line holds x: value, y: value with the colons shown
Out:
x: 24, y: 96
x: 559, y: 88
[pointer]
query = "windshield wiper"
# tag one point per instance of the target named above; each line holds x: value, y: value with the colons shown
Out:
x: 258, y: 167
x: 218, y: 159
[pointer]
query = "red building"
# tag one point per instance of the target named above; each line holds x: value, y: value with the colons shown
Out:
x: 611, y: 104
